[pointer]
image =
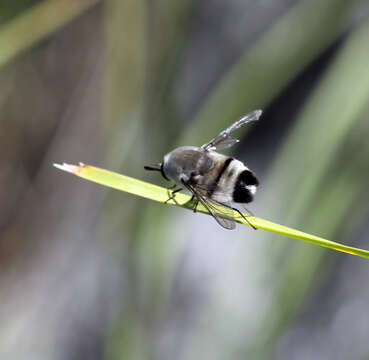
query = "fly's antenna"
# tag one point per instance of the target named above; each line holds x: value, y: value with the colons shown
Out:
x: 159, y: 168
x: 151, y: 168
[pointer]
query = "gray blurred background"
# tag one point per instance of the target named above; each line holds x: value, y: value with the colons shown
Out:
x: 92, y: 273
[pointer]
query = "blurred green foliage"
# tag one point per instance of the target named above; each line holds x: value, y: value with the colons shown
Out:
x: 9, y: 8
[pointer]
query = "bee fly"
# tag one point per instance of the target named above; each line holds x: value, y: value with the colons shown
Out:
x: 212, y: 178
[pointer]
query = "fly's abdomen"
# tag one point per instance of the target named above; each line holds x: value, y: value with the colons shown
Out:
x: 245, y: 187
x: 223, y: 178
x: 232, y: 181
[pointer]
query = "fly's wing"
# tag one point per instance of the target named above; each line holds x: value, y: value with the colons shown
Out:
x: 226, y: 211
x: 230, y: 208
x: 224, y: 139
x: 223, y: 217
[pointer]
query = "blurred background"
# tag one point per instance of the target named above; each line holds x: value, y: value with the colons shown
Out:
x: 91, y: 273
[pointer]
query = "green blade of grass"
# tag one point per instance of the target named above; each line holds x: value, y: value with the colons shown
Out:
x: 160, y: 194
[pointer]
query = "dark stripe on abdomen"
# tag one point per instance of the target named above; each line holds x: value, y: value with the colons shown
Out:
x: 241, y: 194
x: 221, y: 172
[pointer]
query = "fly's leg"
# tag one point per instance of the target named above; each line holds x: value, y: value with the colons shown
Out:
x: 172, y: 194
x: 195, y: 202
x: 240, y: 213
x: 192, y: 203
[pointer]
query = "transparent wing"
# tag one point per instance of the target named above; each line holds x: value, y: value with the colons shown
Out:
x: 224, y: 139
x: 232, y: 209
x: 227, y: 210
x: 224, y: 217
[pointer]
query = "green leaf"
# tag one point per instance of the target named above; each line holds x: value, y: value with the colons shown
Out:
x: 160, y: 194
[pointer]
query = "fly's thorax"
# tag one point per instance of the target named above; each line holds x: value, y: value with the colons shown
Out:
x: 187, y: 162
x: 208, y: 182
